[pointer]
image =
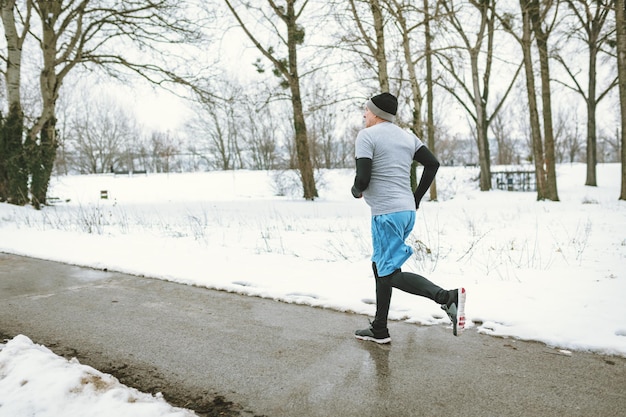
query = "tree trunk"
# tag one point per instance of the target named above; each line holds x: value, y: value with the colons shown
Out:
x: 481, y: 126
x: 549, y: 156
x: 535, y: 129
x: 479, y: 96
x: 13, y: 174
x: 302, y: 145
x: 430, y: 118
x: 43, y: 155
x: 380, y: 54
x: 592, y: 153
x: 4, y: 175
x: 541, y: 38
x: 14, y: 181
x: 620, y: 24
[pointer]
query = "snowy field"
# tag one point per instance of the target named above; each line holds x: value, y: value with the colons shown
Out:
x: 552, y: 272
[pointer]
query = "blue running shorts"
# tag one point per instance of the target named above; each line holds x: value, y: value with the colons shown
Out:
x: 389, y: 233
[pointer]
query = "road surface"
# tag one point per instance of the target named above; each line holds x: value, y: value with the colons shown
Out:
x: 217, y: 352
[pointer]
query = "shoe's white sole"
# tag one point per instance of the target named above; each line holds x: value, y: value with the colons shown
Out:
x: 373, y: 339
x: 460, y: 314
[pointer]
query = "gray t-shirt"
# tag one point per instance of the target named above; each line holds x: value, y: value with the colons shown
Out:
x: 391, y: 150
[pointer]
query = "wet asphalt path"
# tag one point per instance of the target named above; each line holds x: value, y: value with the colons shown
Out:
x: 275, y: 359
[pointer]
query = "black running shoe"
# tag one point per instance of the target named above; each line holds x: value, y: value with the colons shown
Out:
x: 455, y: 307
x: 373, y: 335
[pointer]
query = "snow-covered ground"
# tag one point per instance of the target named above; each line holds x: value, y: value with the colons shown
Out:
x: 552, y: 272
x: 35, y: 382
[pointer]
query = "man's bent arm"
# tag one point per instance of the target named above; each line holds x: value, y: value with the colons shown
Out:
x: 431, y: 165
x: 363, y: 176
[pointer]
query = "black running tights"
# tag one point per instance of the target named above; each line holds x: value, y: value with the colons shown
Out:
x: 407, y: 282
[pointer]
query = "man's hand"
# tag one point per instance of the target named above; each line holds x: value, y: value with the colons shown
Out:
x: 356, y: 193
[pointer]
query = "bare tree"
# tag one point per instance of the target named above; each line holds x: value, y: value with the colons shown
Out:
x: 164, y: 147
x: 589, y: 17
x: 501, y: 129
x: 366, y: 39
x: 261, y: 136
x: 323, y: 119
x: 263, y: 147
x: 216, y: 131
x: 100, y: 134
x: 524, y: 37
x: 542, y: 27
x: 620, y: 25
x: 536, y: 25
x: 96, y: 33
x: 474, y: 95
x: 329, y: 148
x: 287, y: 68
x: 608, y: 146
x: 373, y: 40
x: 569, y: 143
x: 361, y: 35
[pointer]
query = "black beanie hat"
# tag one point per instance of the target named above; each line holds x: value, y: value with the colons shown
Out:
x: 384, y: 105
